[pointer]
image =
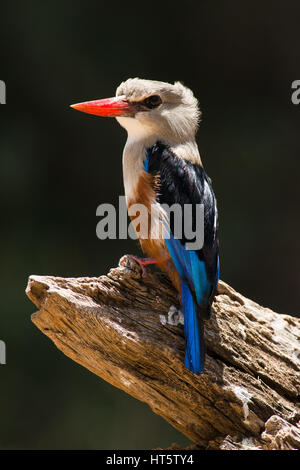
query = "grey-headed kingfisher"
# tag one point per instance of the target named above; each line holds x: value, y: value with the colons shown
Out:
x: 162, y: 165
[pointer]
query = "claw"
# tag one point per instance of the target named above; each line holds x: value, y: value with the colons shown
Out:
x: 142, y: 262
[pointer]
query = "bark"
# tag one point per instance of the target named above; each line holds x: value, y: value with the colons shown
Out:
x: 125, y: 329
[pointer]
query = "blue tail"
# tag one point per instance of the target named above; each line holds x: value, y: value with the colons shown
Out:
x: 193, y: 329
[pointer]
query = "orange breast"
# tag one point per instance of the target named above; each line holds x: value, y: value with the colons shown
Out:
x: 154, y: 247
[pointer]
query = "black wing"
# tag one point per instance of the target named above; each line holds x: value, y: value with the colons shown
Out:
x: 183, y: 182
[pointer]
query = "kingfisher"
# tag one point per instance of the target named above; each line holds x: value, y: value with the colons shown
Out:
x: 162, y: 166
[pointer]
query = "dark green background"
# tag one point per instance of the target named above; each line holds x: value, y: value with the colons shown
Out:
x: 58, y: 165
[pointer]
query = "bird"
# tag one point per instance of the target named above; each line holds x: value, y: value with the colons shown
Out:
x: 162, y: 166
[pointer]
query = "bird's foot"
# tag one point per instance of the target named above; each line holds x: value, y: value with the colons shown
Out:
x: 175, y: 317
x: 142, y: 262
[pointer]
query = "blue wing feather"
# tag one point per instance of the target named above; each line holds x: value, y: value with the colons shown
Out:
x: 190, y: 268
x: 184, y: 182
x: 194, y: 357
x: 192, y: 274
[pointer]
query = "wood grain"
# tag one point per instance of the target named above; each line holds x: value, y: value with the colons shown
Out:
x: 119, y: 327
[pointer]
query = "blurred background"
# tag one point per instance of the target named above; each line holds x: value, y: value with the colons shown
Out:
x: 58, y: 165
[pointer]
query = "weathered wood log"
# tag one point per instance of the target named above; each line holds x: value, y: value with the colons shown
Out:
x: 121, y: 327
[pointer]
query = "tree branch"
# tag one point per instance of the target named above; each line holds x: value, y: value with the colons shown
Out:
x: 119, y: 327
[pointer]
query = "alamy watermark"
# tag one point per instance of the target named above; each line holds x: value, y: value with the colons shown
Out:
x: 2, y: 92
x: 296, y: 94
x: 152, y: 222
x: 2, y: 352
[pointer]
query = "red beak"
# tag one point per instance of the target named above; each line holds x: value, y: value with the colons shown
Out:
x: 110, y: 107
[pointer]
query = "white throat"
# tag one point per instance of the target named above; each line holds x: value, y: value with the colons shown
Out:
x: 140, y: 138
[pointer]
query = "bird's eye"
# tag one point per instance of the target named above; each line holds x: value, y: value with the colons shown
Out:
x: 152, y: 101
